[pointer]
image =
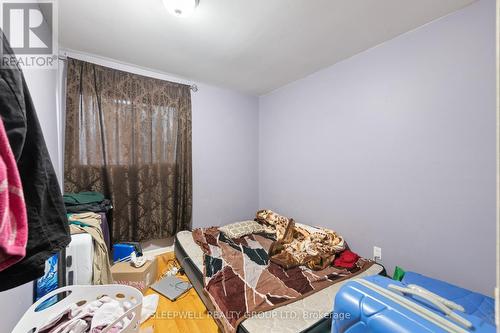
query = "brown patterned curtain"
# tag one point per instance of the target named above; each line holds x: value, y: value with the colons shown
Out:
x: 129, y: 137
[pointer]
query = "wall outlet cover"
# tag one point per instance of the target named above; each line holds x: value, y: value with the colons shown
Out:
x: 377, y: 253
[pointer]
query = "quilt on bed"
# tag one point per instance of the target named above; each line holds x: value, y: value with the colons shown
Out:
x: 241, y: 281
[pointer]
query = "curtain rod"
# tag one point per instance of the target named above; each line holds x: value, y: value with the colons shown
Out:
x: 193, y: 87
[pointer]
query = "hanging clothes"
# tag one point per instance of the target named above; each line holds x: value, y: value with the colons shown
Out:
x: 48, y: 230
x: 13, y: 221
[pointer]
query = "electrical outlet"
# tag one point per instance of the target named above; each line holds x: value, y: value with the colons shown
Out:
x: 377, y: 253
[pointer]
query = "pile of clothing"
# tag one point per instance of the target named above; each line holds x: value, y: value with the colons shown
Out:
x: 91, y: 224
x: 90, y: 204
x: 86, y: 202
x: 95, y: 316
x: 302, y: 245
x: 90, y: 317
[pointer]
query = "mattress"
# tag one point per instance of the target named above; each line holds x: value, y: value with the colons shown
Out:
x: 310, y: 314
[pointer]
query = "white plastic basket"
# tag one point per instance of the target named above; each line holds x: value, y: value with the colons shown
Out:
x: 33, y: 320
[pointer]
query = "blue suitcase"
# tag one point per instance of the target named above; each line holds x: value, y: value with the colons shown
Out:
x: 473, y: 303
x: 376, y: 304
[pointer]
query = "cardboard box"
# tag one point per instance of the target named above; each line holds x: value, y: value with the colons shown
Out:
x: 140, y: 278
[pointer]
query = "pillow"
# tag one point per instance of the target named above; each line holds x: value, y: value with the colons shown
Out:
x: 240, y: 229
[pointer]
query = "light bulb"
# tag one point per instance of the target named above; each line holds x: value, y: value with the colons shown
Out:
x: 181, y: 8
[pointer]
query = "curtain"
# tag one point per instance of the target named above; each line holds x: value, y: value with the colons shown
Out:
x: 129, y: 137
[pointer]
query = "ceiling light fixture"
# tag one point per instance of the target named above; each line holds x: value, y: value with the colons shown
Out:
x: 181, y: 8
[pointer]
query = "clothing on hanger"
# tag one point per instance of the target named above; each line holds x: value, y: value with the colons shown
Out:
x: 13, y: 221
x: 48, y: 230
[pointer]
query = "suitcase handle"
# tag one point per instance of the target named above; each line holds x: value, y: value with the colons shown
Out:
x: 434, y: 301
x: 452, y: 305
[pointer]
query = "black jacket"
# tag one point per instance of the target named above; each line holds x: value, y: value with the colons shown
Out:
x: 48, y: 230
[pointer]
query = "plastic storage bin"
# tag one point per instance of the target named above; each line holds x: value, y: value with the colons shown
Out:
x: 122, y: 250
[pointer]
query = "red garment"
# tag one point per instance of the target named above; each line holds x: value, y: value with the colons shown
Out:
x: 13, y: 220
x: 346, y: 259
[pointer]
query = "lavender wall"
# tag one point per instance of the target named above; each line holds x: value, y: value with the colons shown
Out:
x: 395, y: 147
x: 225, y: 169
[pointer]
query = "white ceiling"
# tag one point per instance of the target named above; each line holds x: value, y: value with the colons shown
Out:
x: 254, y: 46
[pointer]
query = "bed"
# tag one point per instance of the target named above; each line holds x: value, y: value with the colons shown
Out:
x: 311, y: 314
